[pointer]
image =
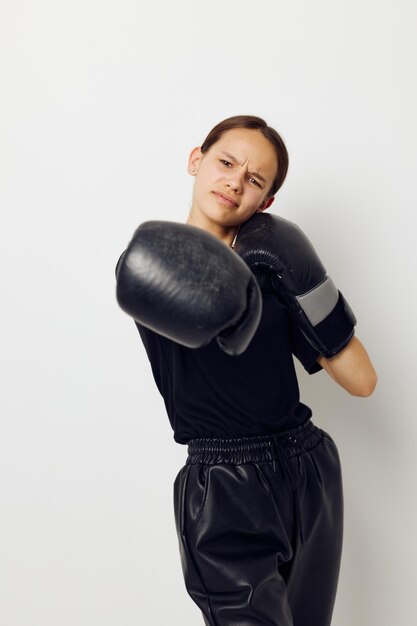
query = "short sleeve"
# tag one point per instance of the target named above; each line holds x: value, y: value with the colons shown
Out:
x: 154, y: 352
x: 303, y: 350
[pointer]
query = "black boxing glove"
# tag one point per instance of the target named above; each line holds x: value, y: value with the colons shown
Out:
x: 283, y: 259
x: 185, y: 284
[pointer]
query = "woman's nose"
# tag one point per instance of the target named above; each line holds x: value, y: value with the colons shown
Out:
x: 234, y: 181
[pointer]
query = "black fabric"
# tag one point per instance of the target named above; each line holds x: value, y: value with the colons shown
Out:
x: 208, y: 393
x: 260, y: 528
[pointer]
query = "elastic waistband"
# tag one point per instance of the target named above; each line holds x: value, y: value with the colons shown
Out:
x: 254, y: 449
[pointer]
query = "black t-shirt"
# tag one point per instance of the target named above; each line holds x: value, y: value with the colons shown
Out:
x: 208, y: 393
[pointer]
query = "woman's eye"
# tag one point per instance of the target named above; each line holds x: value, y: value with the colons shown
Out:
x: 254, y: 181
x: 225, y: 162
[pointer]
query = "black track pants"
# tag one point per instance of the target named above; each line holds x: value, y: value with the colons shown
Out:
x: 260, y: 523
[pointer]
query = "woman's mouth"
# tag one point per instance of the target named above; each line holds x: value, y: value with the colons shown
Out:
x: 225, y: 199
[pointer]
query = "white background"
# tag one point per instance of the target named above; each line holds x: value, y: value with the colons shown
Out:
x: 100, y: 104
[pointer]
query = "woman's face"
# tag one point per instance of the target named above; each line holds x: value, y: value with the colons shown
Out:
x: 233, y: 178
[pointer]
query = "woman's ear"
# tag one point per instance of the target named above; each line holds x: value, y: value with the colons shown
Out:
x: 266, y: 204
x: 194, y: 161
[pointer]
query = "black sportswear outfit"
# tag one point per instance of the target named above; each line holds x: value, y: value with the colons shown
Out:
x: 258, y: 504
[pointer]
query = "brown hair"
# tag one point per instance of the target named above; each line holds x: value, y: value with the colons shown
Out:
x: 257, y: 123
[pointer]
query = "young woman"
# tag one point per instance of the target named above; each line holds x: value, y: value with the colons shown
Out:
x: 258, y: 503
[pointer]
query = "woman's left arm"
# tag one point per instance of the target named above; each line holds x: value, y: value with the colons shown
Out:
x: 351, y: 369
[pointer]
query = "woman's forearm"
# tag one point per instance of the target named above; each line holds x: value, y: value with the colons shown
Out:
x: 352, y: 369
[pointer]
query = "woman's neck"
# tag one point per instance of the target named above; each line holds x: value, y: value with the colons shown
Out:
x: 227, y: 234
